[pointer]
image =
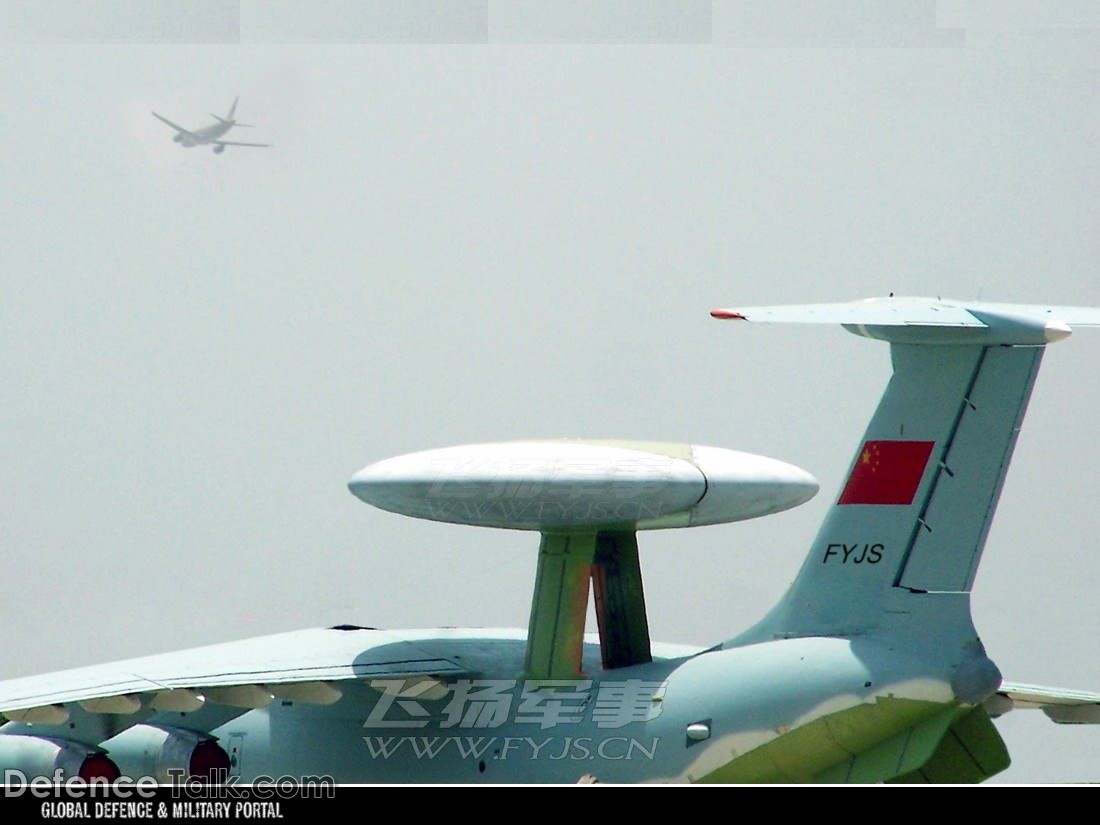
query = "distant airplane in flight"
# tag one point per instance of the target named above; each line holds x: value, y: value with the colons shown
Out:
x: 209, y: 135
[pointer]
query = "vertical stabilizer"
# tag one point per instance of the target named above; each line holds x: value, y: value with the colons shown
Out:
x: 899, y: 549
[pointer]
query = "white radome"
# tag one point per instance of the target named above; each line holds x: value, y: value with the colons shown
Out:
x: 583, y: 485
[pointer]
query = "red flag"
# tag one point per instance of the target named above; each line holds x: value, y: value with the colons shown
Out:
x: 887, y: 472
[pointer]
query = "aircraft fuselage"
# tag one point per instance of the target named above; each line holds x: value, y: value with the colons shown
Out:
x: 785, y: 710
x: 204, y: 136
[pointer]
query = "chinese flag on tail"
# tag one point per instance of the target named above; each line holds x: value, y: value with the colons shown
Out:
x: 887, y: 472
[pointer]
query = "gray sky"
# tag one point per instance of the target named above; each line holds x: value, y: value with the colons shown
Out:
x: 458, y: 244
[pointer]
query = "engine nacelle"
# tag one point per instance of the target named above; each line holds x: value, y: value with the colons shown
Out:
x: 177, y: 137
x: 44, y: 756
x: 152, y: 750
x: 218, y: 150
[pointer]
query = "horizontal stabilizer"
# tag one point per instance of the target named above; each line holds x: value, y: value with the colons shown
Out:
x: 230, y: 122
x: 1067, y: 707
x: 929, y: 320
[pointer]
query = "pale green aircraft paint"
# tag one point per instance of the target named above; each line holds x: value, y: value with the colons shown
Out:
x: 869, y: 669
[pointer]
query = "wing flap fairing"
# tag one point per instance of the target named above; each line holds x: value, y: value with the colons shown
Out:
x: 213, y: 684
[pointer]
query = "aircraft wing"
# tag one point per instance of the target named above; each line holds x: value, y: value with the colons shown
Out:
x: 235, y: 143
x: 187, y: 132
x: 1066, y: 707
x: 213, y: 684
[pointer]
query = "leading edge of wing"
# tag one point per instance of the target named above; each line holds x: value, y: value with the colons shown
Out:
x: 178, y: 128
x: 235, y: 143
x: 285, y: 658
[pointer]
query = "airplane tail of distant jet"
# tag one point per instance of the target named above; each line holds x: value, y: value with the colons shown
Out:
x: 229, y: 120
x: 899, y: 549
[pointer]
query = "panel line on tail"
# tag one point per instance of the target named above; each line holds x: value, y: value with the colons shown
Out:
x: 921, y: 522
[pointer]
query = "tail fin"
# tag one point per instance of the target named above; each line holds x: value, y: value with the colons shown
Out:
x: 915, y: 510
x: 232, y: 109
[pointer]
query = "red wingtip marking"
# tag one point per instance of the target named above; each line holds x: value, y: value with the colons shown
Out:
x: 727, y: 315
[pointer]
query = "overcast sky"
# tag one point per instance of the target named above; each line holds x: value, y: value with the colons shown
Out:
x: 451, y: 244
